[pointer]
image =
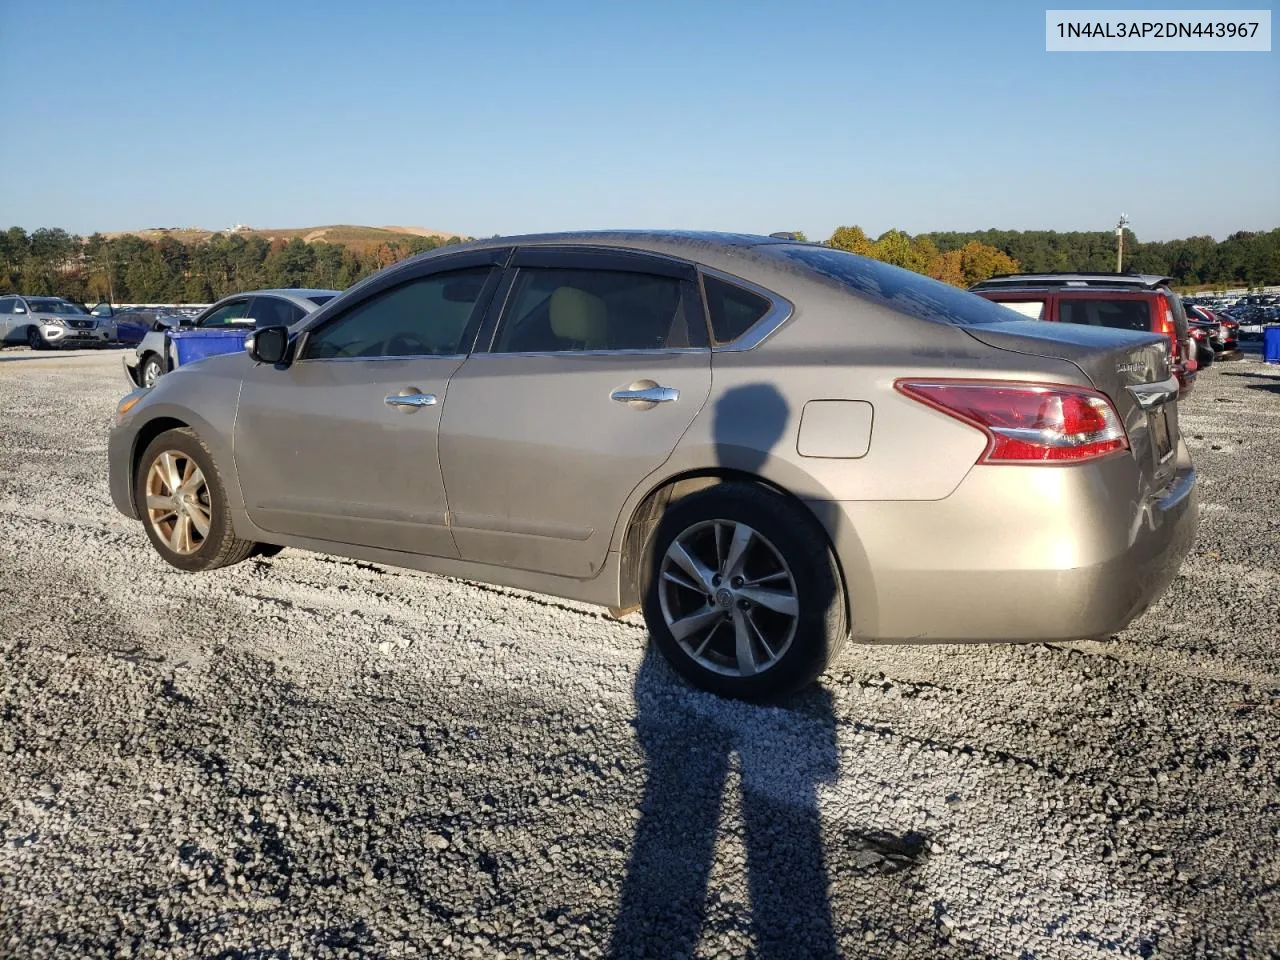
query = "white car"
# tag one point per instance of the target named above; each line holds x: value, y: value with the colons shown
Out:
x: 44, y: 322
x: 221, y: 328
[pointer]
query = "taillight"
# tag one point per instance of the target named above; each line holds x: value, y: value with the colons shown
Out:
x: 1027, y: 423
x: 1165, y: 325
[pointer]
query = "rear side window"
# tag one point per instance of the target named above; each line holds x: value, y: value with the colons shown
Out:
x: 1117, y: 314
x: 1028, y: 308
x: 554, y: 310
x: 274, y: 312
x: 319, y: 299
x: 898, y: 289
x: 732, y: 309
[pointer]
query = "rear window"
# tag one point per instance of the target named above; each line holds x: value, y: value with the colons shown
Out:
x: 898, y: 289
x: 1028, y: 308
x: 1117, y: 314
x: 733, y: 310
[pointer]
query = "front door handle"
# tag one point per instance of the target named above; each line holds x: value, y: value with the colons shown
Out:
x: 411, y: 399
x: 645, y: 392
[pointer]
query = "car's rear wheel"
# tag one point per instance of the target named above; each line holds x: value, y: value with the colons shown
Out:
x: 183, y: 504
x: 742, y: 593
x: 151, y: 370
x: 35, y: 340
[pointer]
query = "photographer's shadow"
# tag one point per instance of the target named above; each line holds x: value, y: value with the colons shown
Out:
x: 783, y: 752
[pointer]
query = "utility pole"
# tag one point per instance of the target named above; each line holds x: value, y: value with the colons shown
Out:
x: 1124, y: 222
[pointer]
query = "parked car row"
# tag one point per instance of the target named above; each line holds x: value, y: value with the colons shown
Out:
x: 1140, y: 302
x: 769, y: 447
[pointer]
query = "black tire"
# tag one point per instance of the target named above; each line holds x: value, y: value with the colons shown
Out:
x: 150, y: 362
x: 822, y: 625
x: 36, y: 340
x: 220, y: 546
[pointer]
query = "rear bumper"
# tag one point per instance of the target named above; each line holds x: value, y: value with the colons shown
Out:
x: 1015, y: 554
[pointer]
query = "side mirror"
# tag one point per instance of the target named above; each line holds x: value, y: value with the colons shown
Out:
x: 19, y: 309
x: 268, y: 345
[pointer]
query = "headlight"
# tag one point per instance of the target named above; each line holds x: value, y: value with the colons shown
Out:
x: 129, y: 401
x: 53, y: 322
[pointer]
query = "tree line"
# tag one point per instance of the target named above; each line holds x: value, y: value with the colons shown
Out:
x: 132, y: 269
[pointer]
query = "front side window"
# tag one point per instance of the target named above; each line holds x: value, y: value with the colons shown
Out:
x: 554, y: 310
x: 428, y: 317
x: 1097, y: 312
x: 227, y: 315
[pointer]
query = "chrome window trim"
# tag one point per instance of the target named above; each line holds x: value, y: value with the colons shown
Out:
x: 634, y: 352
x: 412, y: 356
x: 780, y: 311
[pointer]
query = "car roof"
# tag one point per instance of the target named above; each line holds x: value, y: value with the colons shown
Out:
x: 1075, y: 280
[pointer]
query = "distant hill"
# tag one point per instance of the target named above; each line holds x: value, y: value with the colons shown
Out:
x: 355, y: 237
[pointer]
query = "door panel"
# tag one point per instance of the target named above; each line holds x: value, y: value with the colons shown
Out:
x: 321, y: 453
x: 538, y: 459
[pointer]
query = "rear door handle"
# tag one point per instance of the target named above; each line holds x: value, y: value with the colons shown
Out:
x: 1152, y: 395
x: 653, y: 394
x: 410, y: 401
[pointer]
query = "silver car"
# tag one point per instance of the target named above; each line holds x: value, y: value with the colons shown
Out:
x: 222, y: 327
x: 44, y: 322
x: 770, y: 447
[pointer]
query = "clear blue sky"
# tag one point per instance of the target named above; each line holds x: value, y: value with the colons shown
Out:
x: 505, y: 116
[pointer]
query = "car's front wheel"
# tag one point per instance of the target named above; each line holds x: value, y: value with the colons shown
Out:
x: 36, y: 340
x: 183, y: 504
x: 151, y: 370
x: 742, y: 593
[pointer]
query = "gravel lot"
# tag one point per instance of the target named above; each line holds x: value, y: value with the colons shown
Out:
x: 309, y: 757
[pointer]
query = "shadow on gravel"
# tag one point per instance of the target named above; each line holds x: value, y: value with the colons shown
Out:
x: 1265, y: 387
x: 690, y: 740
x: 783, y: 752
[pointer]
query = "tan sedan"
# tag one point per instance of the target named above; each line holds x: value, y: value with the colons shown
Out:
x: 770, y: 447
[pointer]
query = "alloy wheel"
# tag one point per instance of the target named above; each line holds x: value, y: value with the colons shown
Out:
x: 150, y: 373
x: 728, y: 597
x: 178, y: 507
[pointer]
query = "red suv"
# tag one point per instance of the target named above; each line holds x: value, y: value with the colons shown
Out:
x: 1124, y: 301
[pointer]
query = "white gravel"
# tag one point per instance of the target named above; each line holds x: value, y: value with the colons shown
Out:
x: 311, y: 757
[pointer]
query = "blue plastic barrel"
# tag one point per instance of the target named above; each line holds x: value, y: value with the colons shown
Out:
x: 191, y: 345
x: 1271, y: 343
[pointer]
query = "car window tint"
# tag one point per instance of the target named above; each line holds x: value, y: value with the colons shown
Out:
x: 1117, y: 314
x: 227, y: 315
x: 274, y: 312
x: 732, y: 309
x: 427, y: 317
x: 319, y: 299
x: 6, y: 305
x: 570, y: 310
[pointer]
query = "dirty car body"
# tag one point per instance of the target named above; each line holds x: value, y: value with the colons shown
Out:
x: 768, y: 446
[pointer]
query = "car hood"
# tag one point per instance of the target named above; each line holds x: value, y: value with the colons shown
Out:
x: 43, y: 317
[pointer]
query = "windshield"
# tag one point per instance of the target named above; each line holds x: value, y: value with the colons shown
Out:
x: 321, y: 298
x: 898, y: 289
x: 53, y: 306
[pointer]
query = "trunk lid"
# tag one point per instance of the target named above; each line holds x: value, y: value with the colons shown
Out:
x: 1132, y: 369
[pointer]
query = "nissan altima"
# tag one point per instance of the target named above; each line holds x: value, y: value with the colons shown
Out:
x: 769, y: 447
